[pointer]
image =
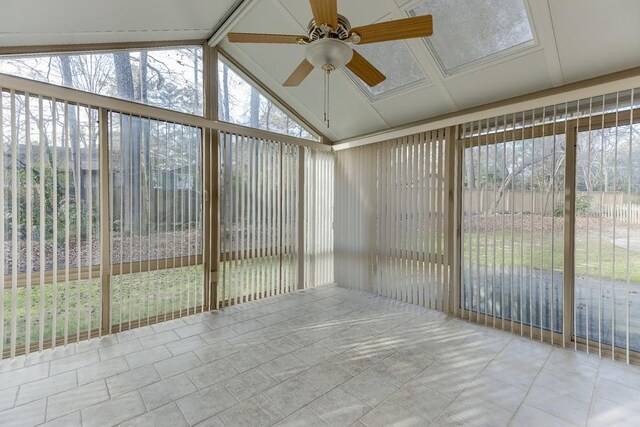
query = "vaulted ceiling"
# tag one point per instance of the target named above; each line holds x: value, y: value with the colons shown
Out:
x: 42, y: 22
x: 481, y: 51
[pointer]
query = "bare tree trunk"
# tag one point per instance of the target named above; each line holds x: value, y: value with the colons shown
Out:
x: 225, y: 94
x: 74, y: 137
x: 146, y: 139
x: 130, y: 145
x: 196, y: 79
x: 512, y: 175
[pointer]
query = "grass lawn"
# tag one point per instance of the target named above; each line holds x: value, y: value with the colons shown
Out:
x: 134, y: 296
x: 593, y: 257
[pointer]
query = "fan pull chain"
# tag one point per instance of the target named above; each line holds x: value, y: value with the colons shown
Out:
x: 327, y: 69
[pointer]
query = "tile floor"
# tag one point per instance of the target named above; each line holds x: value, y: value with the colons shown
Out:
x: 327, y: 356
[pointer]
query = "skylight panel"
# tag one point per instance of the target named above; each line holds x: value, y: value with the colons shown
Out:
x: 469, y: 32
x: 396, y: 62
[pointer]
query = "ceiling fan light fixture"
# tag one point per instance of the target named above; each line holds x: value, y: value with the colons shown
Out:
x: 329, y: 52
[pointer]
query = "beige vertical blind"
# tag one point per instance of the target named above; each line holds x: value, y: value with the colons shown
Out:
x: 318, y: 212
x: 549, y: 223
x: 411, y: 220
x: 155, y: 209
x: 50, y: 234
x: 258, y: 217
x: 390, y: 219
x: 607, y: 231
x: 103, y: 203
x: 513, y: 221
x: 355, y: 221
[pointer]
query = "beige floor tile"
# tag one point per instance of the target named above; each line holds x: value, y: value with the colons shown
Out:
x: 249, y: 383
x: 339, y: 408
x: 206, y: 403
x: 132, y: 380
x: 168, y: 415
x: 256, y: 411
x: 113, y: 411
x: 177, y: 365
x: 76, y: 398
x: 390, y: 413
x: 148, y: 356
x: 27, y: 415
x: 20, y: 376
x: 101, y: 370
x: 528, y: 416
x: 167, y: 391
x: 45, y: 387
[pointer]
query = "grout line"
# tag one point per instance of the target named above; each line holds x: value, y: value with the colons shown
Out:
x: 529, y: 389
x: 593, y: 395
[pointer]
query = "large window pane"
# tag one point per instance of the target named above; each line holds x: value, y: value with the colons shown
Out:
x: 50, y: 207
x: 242, y: 103
x: 513, y: 195
x: 607, y: 237
x: 169, y: 78
x: 258, y: 218
x: 470, y: 32
x: 156, y: 218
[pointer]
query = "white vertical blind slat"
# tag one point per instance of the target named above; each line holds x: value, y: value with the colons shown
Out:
x: 3, y: 226
x: 42, y: 223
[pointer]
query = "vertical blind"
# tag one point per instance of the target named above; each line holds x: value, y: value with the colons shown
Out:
x: 607, y: 230
x: 105, y: 215
x: 529, y: 175
x: 411, y: 216
x: 391, y: 219
x: 50, y: 235
x: 513, y: 221
x: 355, y: 206
x: 258, y: 218
x: 318, y: 222
x: 155, y: 209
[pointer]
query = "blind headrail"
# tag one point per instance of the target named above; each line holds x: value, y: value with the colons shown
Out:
x: 22, y: 85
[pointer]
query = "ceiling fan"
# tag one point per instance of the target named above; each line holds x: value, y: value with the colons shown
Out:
x: 328, y: 40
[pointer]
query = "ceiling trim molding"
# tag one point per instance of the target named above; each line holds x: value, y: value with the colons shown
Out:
x: 241, y: 8
x: 614, y: 82
x: 541, y: 17
x: 93, y: 47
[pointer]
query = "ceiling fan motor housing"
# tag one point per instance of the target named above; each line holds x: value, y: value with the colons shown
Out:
x: 320, y: 30
x: 329, y: 52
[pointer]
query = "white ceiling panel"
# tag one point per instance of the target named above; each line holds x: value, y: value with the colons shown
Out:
x: 518, y: 76
x: 30, y: 22
x: 425, y: 102
x: 346, y: 100
x: 358, y: 12
x: 596, y: 37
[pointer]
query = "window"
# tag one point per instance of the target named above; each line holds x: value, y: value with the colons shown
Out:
x: 170, y: 78
x: 470, y: 32
x: 513, y: 222
x: 396, y: 62
x: 242, y: 103
x: 607, y: 232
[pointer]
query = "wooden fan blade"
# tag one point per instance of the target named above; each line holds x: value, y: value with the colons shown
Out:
x: 408, y: 28
x: 365, y: 71
x: 325, y: 12
x: 299, y: 74
x: 263, y: 38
